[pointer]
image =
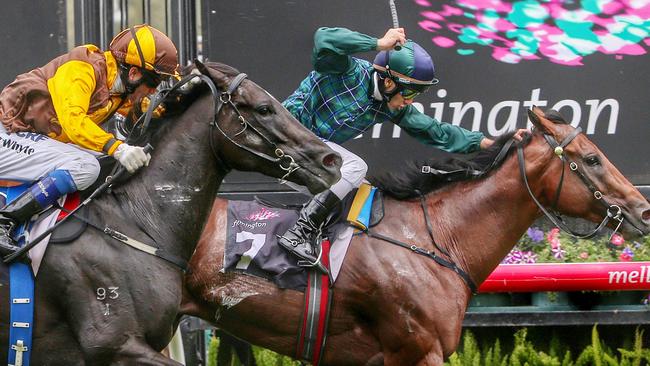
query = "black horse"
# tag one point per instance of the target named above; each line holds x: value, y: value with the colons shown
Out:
x: 100, y: 302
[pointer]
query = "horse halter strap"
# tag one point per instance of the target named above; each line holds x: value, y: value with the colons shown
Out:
x: 614, y: 212
x: 284, y: 161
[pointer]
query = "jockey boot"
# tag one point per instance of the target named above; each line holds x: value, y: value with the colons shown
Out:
x: 303, y: 239
x: 32, y: 201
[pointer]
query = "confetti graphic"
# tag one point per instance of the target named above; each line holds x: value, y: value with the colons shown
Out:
x: 560, y: 31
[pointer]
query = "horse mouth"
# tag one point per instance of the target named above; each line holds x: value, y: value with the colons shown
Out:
x: 318, y: 184
x: 315, y: 182
x: 632, y: 228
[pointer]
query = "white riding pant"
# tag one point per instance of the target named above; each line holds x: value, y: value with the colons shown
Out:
x: 353, y: 171
x: 27, y: 156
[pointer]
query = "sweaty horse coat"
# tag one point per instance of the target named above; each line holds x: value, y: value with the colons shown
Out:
x: 392, y: 306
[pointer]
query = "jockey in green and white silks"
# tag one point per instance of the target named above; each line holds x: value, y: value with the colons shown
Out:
x: 344, y: 96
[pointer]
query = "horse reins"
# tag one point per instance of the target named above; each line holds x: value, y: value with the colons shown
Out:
x: 614, y: 212
x: 284, y: 161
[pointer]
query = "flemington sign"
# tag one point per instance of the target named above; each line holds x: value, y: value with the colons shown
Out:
x: 602, y: 276
x: 494, y: 60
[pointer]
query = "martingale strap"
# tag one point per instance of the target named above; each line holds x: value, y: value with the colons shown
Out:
x: 149, y: 249
x: 427, y: 253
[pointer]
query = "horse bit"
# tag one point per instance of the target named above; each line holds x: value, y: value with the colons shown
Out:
x: 284, y: 161
x: 614, y: 212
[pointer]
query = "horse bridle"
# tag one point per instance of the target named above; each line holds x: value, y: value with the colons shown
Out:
x: 614, y: 212
x: 285, y: 162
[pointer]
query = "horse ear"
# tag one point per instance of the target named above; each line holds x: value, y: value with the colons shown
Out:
x: 201, y: 67
x: 218, y: 78
x: 536, y: 116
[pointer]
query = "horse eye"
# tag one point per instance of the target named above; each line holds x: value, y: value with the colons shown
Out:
x: 592, y: 160
x: 264, y: 110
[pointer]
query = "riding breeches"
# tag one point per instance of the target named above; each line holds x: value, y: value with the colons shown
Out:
x: 353, y: 171
x: 28, y: 156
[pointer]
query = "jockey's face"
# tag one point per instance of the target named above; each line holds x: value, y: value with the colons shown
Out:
x: 397, y: 101
x: 135, y: 75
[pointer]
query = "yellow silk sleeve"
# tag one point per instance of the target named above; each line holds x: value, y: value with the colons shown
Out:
x: 71, y: 89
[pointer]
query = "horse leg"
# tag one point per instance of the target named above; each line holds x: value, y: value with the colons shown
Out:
x: 139, y: 353
x: 433, y: 358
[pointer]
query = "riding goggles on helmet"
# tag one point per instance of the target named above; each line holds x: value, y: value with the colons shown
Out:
x: 407, y: 93
x: 409, y: 89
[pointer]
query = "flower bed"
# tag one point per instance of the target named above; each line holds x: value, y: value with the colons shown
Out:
x: 553, y: 246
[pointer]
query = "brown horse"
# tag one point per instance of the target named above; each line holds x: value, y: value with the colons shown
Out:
x: 392, y: 306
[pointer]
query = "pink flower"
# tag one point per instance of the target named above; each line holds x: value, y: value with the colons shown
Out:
x: 584, y: 255
x: 553, y: 237
x: 617, y: 240
x: 625, y: 257
x: 555, y: 243
x: 553, y: 234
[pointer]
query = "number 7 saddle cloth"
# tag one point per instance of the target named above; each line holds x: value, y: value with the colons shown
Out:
x: 253, y: 226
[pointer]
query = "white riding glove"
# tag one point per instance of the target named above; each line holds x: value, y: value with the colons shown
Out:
x: 131, y: 157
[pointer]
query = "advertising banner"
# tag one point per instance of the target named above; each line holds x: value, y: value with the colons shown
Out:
x: 494, y: 59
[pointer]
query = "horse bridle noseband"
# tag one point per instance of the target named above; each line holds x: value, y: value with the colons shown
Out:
x: 614, y: 212
x: 284, y: 161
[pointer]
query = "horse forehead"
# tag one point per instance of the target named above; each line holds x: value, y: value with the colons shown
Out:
x: 257, y: 88
x: 253, y: 92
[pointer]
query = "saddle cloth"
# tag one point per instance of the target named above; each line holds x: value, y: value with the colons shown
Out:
x: 252, y: 246
x: 69, y: 231
x: 253, y: 226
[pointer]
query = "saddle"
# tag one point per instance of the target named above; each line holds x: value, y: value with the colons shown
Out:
x: 252, y: 226
x: 362, y: 207
x: 73, y: 228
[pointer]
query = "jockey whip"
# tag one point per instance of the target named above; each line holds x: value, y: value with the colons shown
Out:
x: 101, y: 189
x: 393, y: 14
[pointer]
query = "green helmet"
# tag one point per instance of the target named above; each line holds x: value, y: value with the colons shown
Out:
x: 411, y: 67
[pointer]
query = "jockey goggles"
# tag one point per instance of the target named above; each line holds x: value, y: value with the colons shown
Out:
x: 407, y: 93
x: 408, y: 88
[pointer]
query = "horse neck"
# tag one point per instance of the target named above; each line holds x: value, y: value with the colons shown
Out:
x: 171, y: 198
x: 481, y: 234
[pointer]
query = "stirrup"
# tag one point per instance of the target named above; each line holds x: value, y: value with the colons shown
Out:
x: 6, y: 227
x: 318, y: 265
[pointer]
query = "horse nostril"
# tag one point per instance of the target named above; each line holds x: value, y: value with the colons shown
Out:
x: 330, y: 160
x: 645, y: 215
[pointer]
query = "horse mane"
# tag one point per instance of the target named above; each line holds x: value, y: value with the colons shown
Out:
x: 411, y: 181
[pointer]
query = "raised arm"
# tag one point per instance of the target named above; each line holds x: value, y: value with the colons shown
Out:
x: 444, y: 136
x: 333, y: 47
